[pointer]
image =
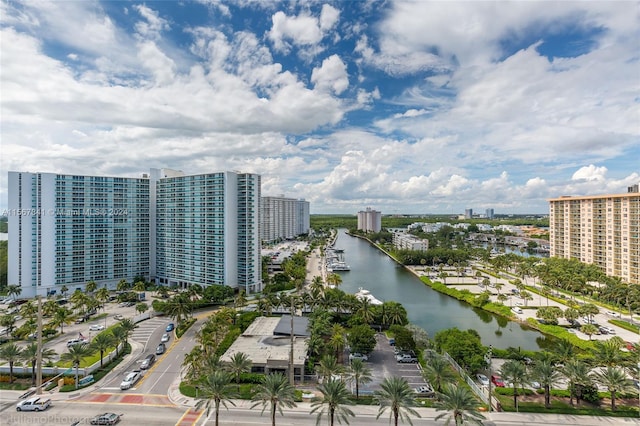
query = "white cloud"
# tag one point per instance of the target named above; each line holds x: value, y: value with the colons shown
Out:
x: 332, y: 75
x: 590, y: 172
x: 153, y: 26
x: 328, y: 17
x: 294, y: 30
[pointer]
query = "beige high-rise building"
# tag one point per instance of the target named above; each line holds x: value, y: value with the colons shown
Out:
x: 603, y: 230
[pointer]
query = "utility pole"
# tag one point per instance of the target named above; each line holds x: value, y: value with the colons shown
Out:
x: 39, y: 346
x: 490, y: 354
x: 291, y: 372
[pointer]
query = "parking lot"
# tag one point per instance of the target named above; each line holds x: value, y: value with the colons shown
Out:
x: 382, y: 362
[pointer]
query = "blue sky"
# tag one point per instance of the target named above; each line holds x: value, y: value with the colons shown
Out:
x: 402, y: 106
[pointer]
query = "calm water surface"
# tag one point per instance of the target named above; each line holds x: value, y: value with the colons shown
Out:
x: 433, y: 311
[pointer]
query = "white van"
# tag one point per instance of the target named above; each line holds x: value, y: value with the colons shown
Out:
x: 74, y: 342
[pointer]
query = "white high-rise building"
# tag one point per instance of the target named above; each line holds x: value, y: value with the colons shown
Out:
x: 70, y: 229
x: 370, y: 220
x: 283, y: 218
x: 169, y: 227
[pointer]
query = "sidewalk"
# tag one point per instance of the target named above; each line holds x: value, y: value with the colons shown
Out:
x: 55, y: 395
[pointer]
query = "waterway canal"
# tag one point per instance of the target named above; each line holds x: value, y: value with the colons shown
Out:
x: 433, y: 311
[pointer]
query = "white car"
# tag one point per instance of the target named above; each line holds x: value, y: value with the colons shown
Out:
x: 516, y: 309
x: 356, y: 355
x: 130, y: 379
x: 96, y: 327
x: 484, y: 380
x: 609, y: 330
x: 165, y: 337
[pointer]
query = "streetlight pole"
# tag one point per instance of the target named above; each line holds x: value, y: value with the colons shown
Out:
x: 39, y: 349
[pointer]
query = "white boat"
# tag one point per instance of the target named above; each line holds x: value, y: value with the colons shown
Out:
x: 366, y: 294
x: 339, y: 266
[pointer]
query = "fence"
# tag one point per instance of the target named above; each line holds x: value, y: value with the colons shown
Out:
x: 474, y: 387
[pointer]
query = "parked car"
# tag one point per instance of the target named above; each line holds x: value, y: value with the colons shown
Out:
x: 406, y: 357
x: 609, y: 330
x: 160, y: 349
x: 118, y: 317
x: 165, y: 337
x: 170, y: 327
x: 425, y: 390
x: 392, y: 342
x: 516, y: 309
x: 96, y: 327
x: 130, y: 379
x: 74, y: 342
x: 148, y: 361
x: 484, y: 380
x: 497, y: 381
x: 357, y: 355
x: 33, y: 404
x: 105, y: 419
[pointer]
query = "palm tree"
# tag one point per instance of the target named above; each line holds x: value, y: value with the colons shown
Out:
x: 547, y: 374
x: 102, y: 295
x: 239, y: 300
x: 179, y: 307
x: 122, y: 285
x: 438, y: 372
x: 120, y: 335
x: 334, y: 402
x: 359, y: 373
x: 615, y: 380
x: 14, y: 290
x: 337, y: 340
x: 102, y: 342
x: 328, y: 367
x: 589, y: 330
x: 30, y: 354
x: 608, y: 353
x: 128, y: 326
x: 64, y: 290
x: 461, y: 406
x: 11, y: 353
x: 516, y: 373
x: 365, y: 310
x: 91, y: 286
x: 276, y: 392
x: 334, y: 280
x: 577, y: 373
x: 76, y: 354
x: 61, y: 317
x: 240, y: 363
x: 215, y: 389
x: 398, y: 397
x: 8, y: 321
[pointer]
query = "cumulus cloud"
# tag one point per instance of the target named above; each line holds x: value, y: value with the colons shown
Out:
x: 590, y: 172
x: 332, y: 75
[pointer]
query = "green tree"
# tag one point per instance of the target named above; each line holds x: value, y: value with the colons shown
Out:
x: 464, y: 346
x: 142, y: 307
x: 64, y: 290
x: 615, y: 380
x: 328, y: 367
x: 30, y: 355
x: 460, y: 404
x: 589, y: 330
x: 607, y: 353
x: 11, y: 353
x: 547, y: 374
x: 102, y: 342
x: 120, y: 335
x: 438, y: 372
x: 9, y: 322
x: 179, y: 307
x: 362, y: 339
x: 516, y: 373
x: 359, y: 373
x: 90, y: 287
x: 76, y: 354
x: 128, y: 326
x: 14, y: 290
x: 61, y: 317
x: 397, y: 396
x: 334, y: 402
x: 240, y: 363
x: 577, y: 373
x: 274, y: 392
x: 215, y: 389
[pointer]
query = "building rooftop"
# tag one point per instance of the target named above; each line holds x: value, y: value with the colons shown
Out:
x: 264, y: 348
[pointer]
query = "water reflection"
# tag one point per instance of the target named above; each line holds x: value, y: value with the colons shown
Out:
x: 433, y: 311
